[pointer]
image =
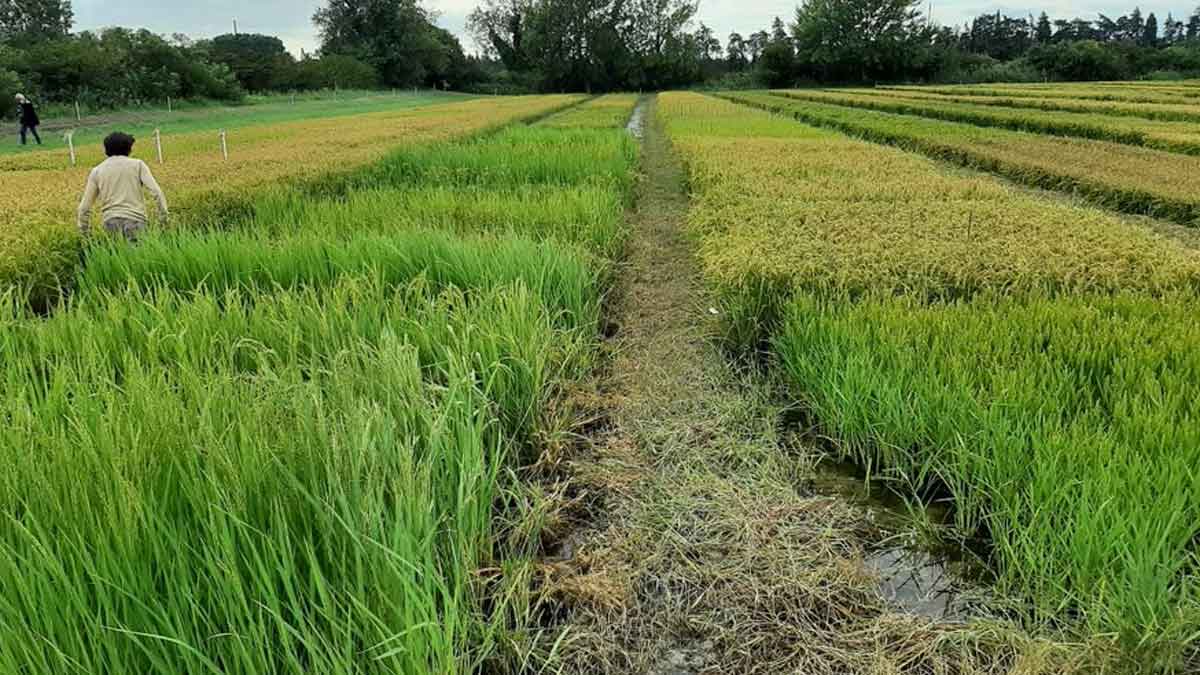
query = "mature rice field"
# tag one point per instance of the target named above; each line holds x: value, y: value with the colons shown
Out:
x: 1132, y: 179
x: 296, y: 444
x: 39, y: 242
x: 1172, y: 136
x: 1033, y: 360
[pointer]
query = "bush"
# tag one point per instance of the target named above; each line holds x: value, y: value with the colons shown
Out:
x: 335, y: 71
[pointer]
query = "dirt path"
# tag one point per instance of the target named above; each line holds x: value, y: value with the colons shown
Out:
x: 706, y: 549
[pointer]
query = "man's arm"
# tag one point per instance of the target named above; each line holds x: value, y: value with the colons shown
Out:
x: 152, y: 186
x: 85, y: 205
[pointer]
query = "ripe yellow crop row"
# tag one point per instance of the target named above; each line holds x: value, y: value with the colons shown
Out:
x: 790, y: 204
x: 40, y: 191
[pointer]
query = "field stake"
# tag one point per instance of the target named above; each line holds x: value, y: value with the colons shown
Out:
x: 168, y: 104
x: 70, y: 136
x: 158, y: 144
x: 224, y: 147
x: 78, y: 117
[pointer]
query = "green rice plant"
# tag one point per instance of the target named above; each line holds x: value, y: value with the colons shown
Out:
x: 566, y: 280
x: 1063, y: 428
x: 38, y: 238
x: 1179, y: 137
x: 289, y: 439
x: 222, y: 482
x: 516, y: 156
x: 1134, y: 180
x: 588, y: 216
x: 605, y: 112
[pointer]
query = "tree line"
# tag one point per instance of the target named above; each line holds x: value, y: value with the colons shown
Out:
x: 582, y: 45
x: 364, y: 44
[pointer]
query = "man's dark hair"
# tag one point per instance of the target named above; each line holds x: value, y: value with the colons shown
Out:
x: 118, y: 144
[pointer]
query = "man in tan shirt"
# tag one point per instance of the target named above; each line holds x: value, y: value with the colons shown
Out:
x: 117, y: 183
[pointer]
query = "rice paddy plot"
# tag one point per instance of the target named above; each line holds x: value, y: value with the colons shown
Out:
x: 298, y: 447
x: 1182, y: 137
x: 1149, y: 111
x: 1081, y: 91
x: 39, y: 242
x: 943, y: 333
x: 1131, y: 179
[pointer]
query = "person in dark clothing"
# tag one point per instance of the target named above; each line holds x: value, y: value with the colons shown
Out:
x: 29, y: 118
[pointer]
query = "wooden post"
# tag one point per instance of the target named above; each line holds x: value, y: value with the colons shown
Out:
x: 158, y: 145
x: 293, y: 98
x: 169, y: 104
x: 224, y: 146
x: 78, y: 117
x: 70, y: 135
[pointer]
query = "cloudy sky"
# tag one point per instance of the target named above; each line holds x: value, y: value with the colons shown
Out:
x: 291, y: 20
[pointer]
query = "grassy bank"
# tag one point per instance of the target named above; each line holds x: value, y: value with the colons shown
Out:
x: 297, y: 446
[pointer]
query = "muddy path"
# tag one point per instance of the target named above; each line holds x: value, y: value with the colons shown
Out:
x: 709, y: 547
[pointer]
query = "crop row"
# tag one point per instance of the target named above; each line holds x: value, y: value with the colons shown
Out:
x: 1131, y: 179
x: 1179, y: 137
x: 1150, y: 111
x: 39, y: 242
x: 1084, y: 92
x: 960, y: 336
x: 283, y: 448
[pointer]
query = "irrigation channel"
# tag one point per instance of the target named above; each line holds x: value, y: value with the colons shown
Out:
x: 715, y: 541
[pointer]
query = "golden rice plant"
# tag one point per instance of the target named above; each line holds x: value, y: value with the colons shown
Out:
x: 814, y: 209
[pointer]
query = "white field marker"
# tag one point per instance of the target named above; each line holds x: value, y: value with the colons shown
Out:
x: 70, y: 138
x: 78, y: 117
x: 158, y: 145
x: 224, y: 146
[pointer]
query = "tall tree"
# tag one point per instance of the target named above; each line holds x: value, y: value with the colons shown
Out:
x: 1149, y: 36
x: 756, y: 43
x: 259, y: 62
x: 1193, y: 25
x: 33, y: 21
x: 1043, y: 32
x: 736, y: 58
x: 1172, y: 30
x: 855, y: 39
x: 394, y: 36
x: 498, y: 26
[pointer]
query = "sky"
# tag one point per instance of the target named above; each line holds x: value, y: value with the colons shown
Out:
x: 291, y: 20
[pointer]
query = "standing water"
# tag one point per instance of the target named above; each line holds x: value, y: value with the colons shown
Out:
x: 915, y: 575
x: 637, y: 121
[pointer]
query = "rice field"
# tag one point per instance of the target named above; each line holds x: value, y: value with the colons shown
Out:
x: 39, y: 241
x: 294, y: 444
x: 300, y: 428
x: 1133, y: 179
x: 1031, y: 359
